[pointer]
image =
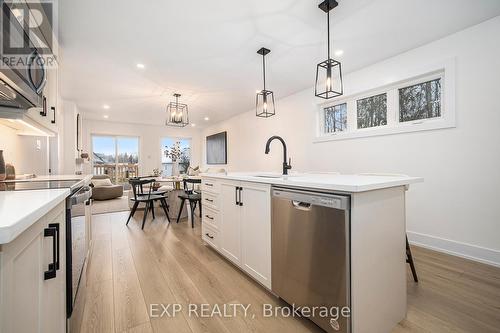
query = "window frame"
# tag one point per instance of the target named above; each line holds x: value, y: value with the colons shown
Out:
x: 356, y: 100
x: 324, y: 118
x: 445, y: 71
x: 175, y: 138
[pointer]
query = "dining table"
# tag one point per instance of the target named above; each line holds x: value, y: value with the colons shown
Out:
x: 176, y: 187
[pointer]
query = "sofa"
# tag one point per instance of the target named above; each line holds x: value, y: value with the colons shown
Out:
x: 102, y: 191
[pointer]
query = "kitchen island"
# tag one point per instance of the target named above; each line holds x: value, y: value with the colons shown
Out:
x: 33, y: 252
x: 240, y: 219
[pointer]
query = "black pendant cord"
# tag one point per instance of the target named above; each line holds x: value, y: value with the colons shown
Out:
x: 264, y: 69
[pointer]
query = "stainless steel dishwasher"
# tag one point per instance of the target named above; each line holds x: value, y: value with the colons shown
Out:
x: 310, y: 253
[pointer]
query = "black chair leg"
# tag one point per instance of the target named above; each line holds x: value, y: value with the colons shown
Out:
x: 199, y: 202
x: 164, y: 206
x: 132, y: 212
x: 151, y: 204
x: 409, y: 260
x: 180, y: 210
x: 192, y: 204
x: 145, y: 214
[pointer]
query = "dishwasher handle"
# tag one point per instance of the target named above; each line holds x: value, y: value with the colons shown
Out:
x: 306, y: 206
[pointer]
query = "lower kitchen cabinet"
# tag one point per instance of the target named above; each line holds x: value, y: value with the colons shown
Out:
x: 230, y: 226
x: 32, y: 294
x: 243, y: 232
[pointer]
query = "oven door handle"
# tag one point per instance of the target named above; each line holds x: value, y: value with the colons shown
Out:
x: 52, y: 272
x: 81, y: 196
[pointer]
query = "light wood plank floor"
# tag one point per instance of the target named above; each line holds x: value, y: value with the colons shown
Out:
x: 166, y: 263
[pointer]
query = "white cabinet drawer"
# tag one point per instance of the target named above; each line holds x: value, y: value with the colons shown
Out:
x: 211, y: 217
x: 210, y: 235
x: 210, y: 200
x: 210, y: 185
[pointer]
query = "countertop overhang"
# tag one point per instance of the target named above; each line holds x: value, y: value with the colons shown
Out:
x: 323, y: 181
x: 20, y: 209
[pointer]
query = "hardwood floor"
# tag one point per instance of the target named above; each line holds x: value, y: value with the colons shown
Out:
x: 133, y: 270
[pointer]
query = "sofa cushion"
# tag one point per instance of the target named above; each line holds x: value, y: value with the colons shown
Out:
x: 102, y: 182
x: 107, y: 192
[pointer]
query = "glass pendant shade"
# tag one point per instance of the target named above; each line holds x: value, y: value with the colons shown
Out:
x: 329, y: 72
x: 264, y: 104
x: 328, y: 79
x: 264, y: 101
x: 177, y: 113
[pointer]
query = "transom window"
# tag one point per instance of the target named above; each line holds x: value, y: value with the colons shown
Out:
x: 372, y: 111
x: 425, y: 102
x: 335, y: 118
x: 420, y: 101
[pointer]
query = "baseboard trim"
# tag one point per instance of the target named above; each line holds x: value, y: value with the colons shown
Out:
x: 463, y: 250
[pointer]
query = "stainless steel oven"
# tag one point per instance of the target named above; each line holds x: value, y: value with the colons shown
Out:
x: 77, y: 246
x: 22, y: 76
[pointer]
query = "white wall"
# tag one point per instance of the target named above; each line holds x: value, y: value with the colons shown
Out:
x: 456, y: 208
x: 68, y: 135
x: 149, y: 140
x: 28, y: 154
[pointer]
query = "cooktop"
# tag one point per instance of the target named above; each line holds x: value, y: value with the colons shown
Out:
x: 36, y: 185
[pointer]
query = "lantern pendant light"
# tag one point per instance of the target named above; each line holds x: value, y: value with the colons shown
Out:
x: 329, y: 72
x: 264, y: 102
x: 177, y: 113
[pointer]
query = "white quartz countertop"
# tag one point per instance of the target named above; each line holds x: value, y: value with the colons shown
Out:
x: 20, y: 209
x: 324, y: 181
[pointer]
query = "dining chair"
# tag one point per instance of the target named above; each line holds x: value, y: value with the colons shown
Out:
x: 143, y: 193
x: 192, y: 196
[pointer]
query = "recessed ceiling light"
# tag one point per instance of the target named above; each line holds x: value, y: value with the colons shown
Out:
x: 207, y: 119
x: 140, y: 66
x: 338, y: 53
x: 106, y: 107
x: 193, y: 125
x: 106, y: 116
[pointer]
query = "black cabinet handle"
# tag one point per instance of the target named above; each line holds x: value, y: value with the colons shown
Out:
x: 211, y: 237
x: 236, y: 202
x: 53, y: 108
x: 58, y: 236
x: 51, y: 273
x: 209, y: 217
x: 209, y: 200
x: 208, y: 184
x: 240, y: 190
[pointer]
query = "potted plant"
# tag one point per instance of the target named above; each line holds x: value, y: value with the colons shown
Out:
x: 174, y: 153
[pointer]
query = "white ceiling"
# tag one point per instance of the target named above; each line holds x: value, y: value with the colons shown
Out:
x: 206, y: 50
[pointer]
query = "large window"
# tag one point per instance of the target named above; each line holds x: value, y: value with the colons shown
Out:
x: 183, y: 145
x: 372, y: 111
x: 424, y: 102
x: 420, y: 101
x: 115, y: 156
x: 335, y: 118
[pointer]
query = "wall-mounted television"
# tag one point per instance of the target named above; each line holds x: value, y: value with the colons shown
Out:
x: 217, y: 148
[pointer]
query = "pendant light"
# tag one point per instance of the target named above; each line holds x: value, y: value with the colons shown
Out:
x: 264, y: 102
x: 328, y: 72
x: 177, y: 113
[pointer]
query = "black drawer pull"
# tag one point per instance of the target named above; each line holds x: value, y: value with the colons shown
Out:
x: 210, y: 200
x: 208, y: 184
x: 51, y: 273
x: 209, y: 217
x: 211, y: 237
x: 58, y: 236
